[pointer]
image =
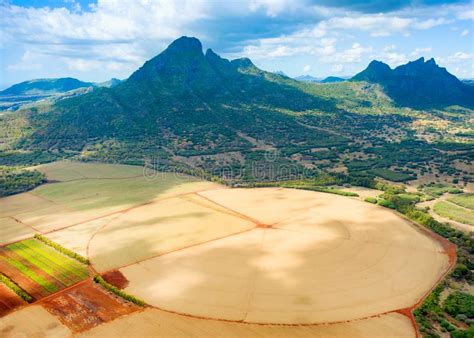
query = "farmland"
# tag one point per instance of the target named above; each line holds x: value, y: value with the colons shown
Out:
x: 454, y: 212
x: 39, y: 269
x: 195, y: 248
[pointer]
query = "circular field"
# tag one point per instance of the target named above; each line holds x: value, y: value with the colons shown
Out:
x: 300, y: 257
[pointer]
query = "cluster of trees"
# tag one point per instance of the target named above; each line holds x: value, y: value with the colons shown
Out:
x: 14, y: 180
x: 98, y: 279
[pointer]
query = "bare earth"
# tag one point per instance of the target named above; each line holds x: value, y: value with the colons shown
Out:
x: 315, y: 265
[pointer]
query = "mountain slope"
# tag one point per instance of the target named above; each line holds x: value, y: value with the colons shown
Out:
x: 418, y: 84
x: 187, y: 100
x: 45, y: 86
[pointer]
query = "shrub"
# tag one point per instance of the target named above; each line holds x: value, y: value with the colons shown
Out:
x: 15, y: 288
x: 62, y: 249
x: 461, y: 272
x: 460, y: 304
x: 371, y: 200
x: 98, y: 279
x: 385, y: 203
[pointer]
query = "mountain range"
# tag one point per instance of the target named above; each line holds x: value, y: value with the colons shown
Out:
x: 418, y: 84
x: 186, y: 105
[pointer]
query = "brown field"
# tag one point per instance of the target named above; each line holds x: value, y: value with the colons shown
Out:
x: 32, y: 321
x: 8, y: 300
x: 86, y: 305
x: 313, y: 265
x: 158, y: 323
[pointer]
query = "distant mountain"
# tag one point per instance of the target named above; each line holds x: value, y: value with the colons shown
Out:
x: 108, y: 84
x: 307, y: 78
x: 469, y: 82
x: 280, y: 72
x: 332, y: 79
x: 418, y: 84
x: 45, y: 86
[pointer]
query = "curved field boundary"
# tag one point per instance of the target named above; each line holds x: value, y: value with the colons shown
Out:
x: 448, y: 247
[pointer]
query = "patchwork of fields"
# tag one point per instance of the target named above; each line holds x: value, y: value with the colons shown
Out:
x: 272, y: 255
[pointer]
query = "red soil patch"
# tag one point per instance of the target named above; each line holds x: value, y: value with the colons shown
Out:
x: 116, y: 278
x: 8, y: 300
x: 85, y: 306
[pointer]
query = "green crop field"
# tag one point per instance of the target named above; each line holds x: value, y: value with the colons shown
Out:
x: 31, y: 263
x: 463, y: 200
x: 454, y: 212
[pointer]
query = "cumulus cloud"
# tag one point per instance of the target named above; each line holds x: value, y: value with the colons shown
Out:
x: 465, y: 32
x: 112, y: 33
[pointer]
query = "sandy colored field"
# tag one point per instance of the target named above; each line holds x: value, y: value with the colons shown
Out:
x: 159, y: 228
x: 32, y: 321
x: 11, y: 230
x: 315, y: 265
x: 157, y: 323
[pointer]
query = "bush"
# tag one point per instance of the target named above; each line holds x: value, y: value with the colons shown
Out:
x: 15, y: 288
x: 461, y: 272
x: 62, y: 249
x: 98, y: 279
x: 372, y: 200
x: 460, y: 303
x: 385, y: 203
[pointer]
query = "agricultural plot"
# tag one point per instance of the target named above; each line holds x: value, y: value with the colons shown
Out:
x: 454, y: 212
x: 87, y: 191
x: 38, y: 269
x: 9, y: 300
x: 158, y: 323
x: 304, y: 262
x: 86, y: 306
x: 463, y: 200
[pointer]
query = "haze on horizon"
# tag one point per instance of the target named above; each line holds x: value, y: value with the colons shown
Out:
x: 98, y: 40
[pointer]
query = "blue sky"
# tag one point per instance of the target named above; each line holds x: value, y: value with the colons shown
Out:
x: 97, y: 40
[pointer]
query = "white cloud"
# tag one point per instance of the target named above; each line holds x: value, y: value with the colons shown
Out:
x: 420, y: 51
x: 27, y: 62
x: 306, y: 68
x: 272, y: 7
x: 465, y: 32
x: 466, y: 14
x: 337, y: 68
x: 114, y: 31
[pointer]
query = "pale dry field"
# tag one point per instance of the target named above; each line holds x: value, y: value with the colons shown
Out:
x: 32, y: 321
x: 156, y: 323
x: 316, y: 264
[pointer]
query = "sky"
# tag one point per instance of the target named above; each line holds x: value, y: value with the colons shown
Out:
x: 95, y: 40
